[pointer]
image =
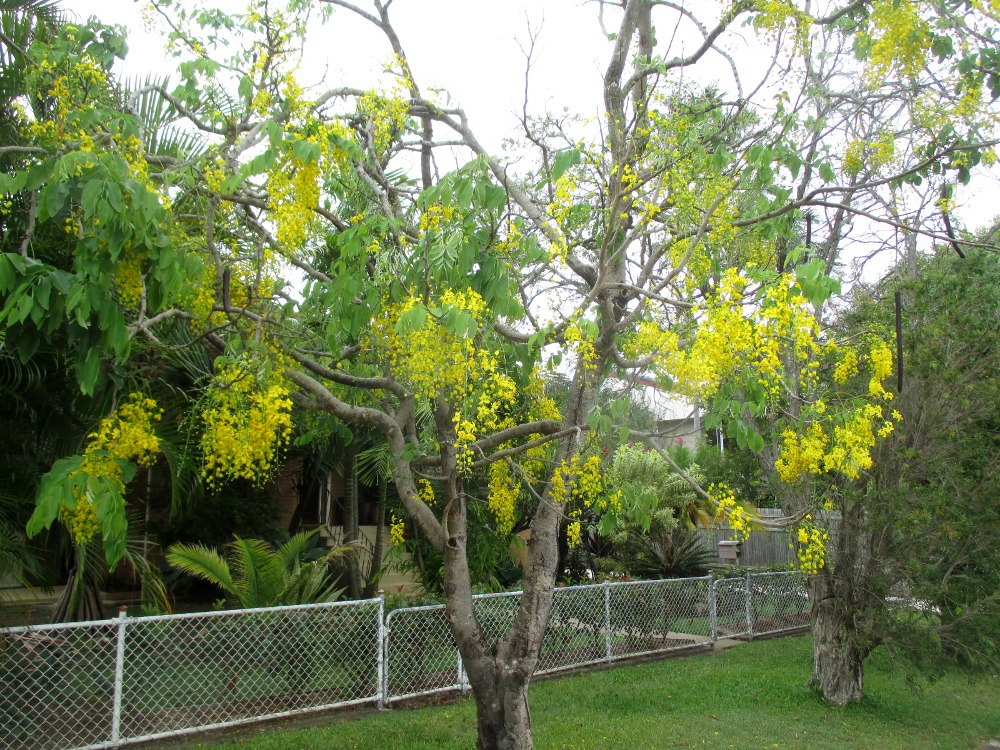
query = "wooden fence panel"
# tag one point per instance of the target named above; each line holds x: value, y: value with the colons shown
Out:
x: 763, y: 548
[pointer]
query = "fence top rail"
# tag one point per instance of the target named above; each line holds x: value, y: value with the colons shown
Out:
x: 258, y: 610
x: 578, y: 587
x: 54, y: 626
x: 730, y: 579
x: 775, y: 573
x: 659, y: 580
x: 422, y: 608
x: 23, y: 629
x: 558, y: 589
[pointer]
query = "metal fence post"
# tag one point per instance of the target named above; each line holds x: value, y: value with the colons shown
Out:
x: 749, y: 608
x: 382, y: 652
x: 116, y: 704
x: 713, y: 611
x: 607, y: 620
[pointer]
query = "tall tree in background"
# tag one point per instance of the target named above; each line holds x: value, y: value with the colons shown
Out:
x: 933, y: 514
x: 664, y: 245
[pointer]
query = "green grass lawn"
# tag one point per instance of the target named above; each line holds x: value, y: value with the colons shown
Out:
x: 752, y: 696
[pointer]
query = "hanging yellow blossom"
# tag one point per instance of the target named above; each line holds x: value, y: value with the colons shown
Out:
x: 809, y: 544
x: 730, y: 511
x: 397, y: 527
x: 502, y: 498
x: 126, y: 435
x: 247, y: 423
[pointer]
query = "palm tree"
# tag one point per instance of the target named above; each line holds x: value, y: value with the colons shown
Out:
x: 256, y: 574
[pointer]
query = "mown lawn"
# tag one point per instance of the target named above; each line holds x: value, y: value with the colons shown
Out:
x: 752, y: 696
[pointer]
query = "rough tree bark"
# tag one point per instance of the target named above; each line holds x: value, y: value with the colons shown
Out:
x: 838, y: 660
x: 845, y: 597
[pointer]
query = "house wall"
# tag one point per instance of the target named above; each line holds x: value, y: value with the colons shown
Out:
x: 686, y: 432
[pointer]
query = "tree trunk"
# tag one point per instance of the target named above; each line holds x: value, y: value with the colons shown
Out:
x: 503, y: 720
x: 373, y: 582
x: 351, y: 523
x: 838, y: 662
x: 841, y: 597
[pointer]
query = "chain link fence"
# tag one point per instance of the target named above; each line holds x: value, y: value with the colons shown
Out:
x: 107, y: 683
x: 101, y: 684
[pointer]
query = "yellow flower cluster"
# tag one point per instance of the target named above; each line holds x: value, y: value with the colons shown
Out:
x: 847, y: 365
x: 724, y: 341
x: 843, y: 442
x: 560, y: 209
x: 577, y: 480
x: 499, y: 393
x: 542, y: 406
x: 729, y: 510
x: 875, y: 154
x: 386, y: 115
x: 585, y: 350
x: 802, y: 454
x: 512, y: 239
x: 465, y: 436
x: 846, y: 448
x: 787, y: 323
x: 809, y: 544
x: 81, y: 519
x: 502, y: 498
x: 247, y: 423
x: 850, y: 451
x: 426, y: 491
x: 573, y: 530
x: 68, y: 85
x: 126, y: 435
x: 129, y: 285
x: 881, y: 360
x: 562, y: 198
x: 73, y: 85
x: 294, y: 189
x: 650, y: 340
x: 589, y: 482
x: 436, y: 216
x: 899, y: 38
x: 397, y: 527
x: 432, y: 359
x: 774, y: 15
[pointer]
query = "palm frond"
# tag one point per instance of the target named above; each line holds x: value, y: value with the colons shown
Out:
x: 375, y: 464
x: 311, y: 583
x: 17, y: 377
x: 149, y: 106
x: 202, y: 562
x: 291, y: 551
x: 159, y: 118
x: 173, y: 140
x: 257, y: 572
x: 17, y: 559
